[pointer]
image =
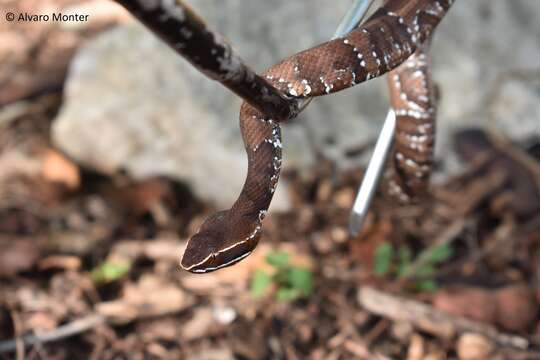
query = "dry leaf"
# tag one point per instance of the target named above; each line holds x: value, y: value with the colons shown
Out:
x: 17, y: 255
x: 59, y: 169
x: 150, y: 296
x: 474, y: 347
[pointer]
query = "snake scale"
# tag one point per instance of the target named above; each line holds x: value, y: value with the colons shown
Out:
x: 395, y: 31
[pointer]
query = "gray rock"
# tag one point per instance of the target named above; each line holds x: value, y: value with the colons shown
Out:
x: 132, y: 104
x: 480, y: 42
x: 153, y: 116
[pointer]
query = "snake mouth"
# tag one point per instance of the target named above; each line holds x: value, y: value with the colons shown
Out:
x: 213, y: 248
x: 199, y: 257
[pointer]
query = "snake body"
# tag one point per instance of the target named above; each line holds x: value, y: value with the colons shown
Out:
x: 391, y: 35
x: 413, y: 98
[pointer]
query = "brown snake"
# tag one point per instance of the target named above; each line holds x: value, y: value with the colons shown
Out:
x: 414, y: 101
x: 386, y: 40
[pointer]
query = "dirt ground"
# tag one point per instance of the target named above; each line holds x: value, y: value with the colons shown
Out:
x: 89, y: 264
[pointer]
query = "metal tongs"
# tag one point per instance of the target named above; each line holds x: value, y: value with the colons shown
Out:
x: 376, y: 165
x: 372, y: 177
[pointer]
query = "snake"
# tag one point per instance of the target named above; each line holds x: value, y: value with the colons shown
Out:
x: 396, y: 31
x: 413, y: 97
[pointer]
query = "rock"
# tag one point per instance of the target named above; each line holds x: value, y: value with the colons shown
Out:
x: 150, y: 125
x: 470, y: 51
x: 517, y: 309
x: 161, y: 117
x: 474, y: 347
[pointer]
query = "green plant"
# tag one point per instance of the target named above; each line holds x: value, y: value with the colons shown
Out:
x: 400, y: 263
x: 110, y: 271
x: 291, y: 282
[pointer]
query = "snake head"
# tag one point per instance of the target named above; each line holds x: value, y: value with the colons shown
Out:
x: 213, y: 247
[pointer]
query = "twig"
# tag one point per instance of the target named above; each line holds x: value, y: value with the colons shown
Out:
x: 473, y: 195
x: 448, y: 235
x: 376, y: 331
x: 500, y: 237
x: 12, y: 111
x: 180, y: 27
x: 19, y: 345
x: 516, y: 153
x: 522, y: 75
x: 70, y: 329
x: 431, y: 320
x: 507, y: 230
x: 361, y: 351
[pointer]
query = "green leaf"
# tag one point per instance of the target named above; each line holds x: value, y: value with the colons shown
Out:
x: 287, y: 294
x: 425, y: 271
x: 427, y: 285
x: 281, y: 277
x: 278, y: 259
x: 260, y: 283
x: 110, y: 271
x: 440, y: 253
x: 405, y: 259
x: 301, y: 279
x: 383, y: 259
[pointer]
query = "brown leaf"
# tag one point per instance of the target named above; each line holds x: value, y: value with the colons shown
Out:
x: 364, y: 245
x: 156, y: 250
x: 150, y: 296
x: 17, y: 255
x: 416, y: 349
x: 64, y: 262
x: 471, y: 302
x: 59, y: 169
x: 41, y: 321
x: 474, y: 347
x: 159, y: 329
x: 202, y: 324
x: 517, y: 309
x: 220, y: 353
x: 35, y: 54
x: 141, y: 197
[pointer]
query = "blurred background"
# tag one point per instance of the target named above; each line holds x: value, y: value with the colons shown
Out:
x: 113, y: 150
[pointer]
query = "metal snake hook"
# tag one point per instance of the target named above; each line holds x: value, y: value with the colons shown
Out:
x: 367, y: 189
x: 373, y: 175
x: 352, y: 19
x: 354, y: 16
